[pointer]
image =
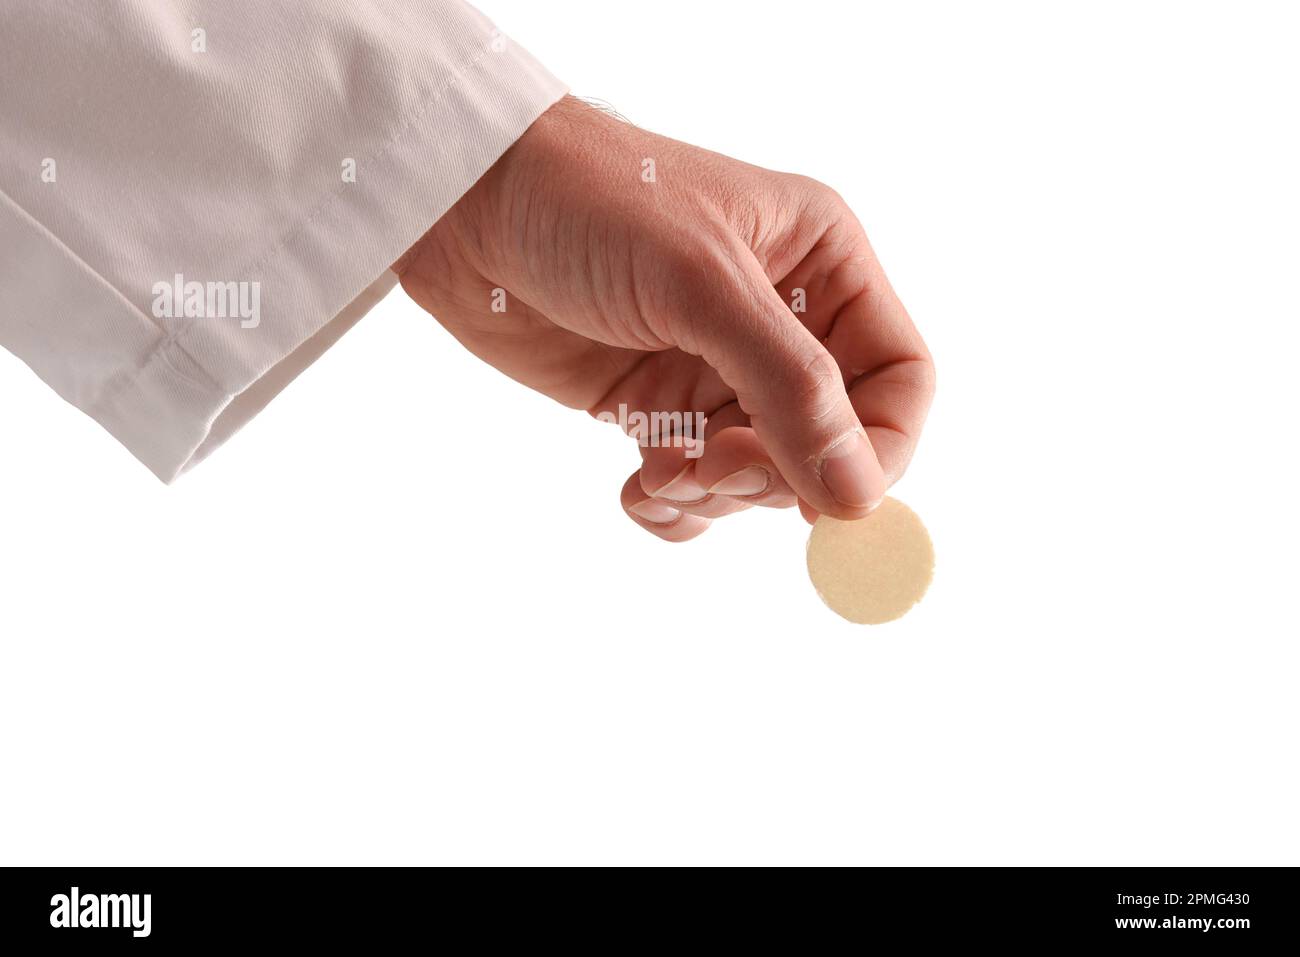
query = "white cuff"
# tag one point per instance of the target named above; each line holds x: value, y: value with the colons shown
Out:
x: 78, y: 303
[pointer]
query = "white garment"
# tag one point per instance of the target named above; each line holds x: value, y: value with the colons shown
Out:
x: 213, y: 140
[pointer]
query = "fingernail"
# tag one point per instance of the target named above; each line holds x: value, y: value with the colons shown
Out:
x: 846, y: 471
x: 749, y: 481
x: 655, y: 512
x: 683, y: 488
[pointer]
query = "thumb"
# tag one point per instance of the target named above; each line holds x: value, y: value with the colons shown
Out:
x: 792, y: 390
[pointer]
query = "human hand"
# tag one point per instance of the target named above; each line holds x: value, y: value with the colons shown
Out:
x: 675, y: 293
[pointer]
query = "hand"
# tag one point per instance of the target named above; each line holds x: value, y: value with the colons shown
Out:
x: 674, y: 293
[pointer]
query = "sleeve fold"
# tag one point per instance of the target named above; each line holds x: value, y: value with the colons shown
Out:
x: 198, y: 199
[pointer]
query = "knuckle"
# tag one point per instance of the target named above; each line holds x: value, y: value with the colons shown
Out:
x: 816, y: 382
x: 820, y: 195
x: 916, y: 377
x: 926, y: 379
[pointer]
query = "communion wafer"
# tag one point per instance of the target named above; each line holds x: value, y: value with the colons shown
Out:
x: 872, y: 570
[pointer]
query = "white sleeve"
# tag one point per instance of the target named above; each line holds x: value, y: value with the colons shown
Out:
x: 198, y: 197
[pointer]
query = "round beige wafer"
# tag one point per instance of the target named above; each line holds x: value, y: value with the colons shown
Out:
x: 872, y: 570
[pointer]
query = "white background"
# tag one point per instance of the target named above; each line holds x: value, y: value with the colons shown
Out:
x: 402, y: 618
